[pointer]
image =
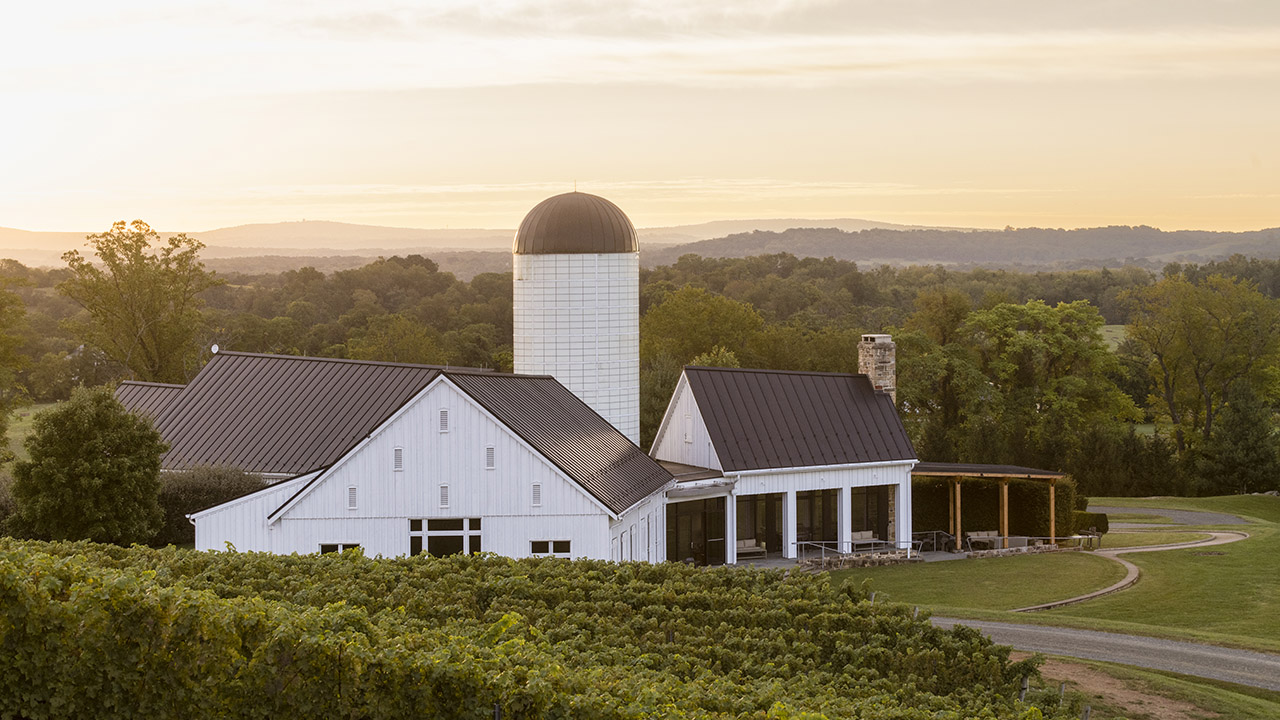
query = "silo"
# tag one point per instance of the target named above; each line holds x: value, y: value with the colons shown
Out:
x: 577, y: 303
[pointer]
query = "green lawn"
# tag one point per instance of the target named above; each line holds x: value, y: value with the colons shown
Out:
x: 20, y: 426
x: 1113, y: 335
x: 1261, y: 507
x: 990, y: 583
x: 1144, y: 539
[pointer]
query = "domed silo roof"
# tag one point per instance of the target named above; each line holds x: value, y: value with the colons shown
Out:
x: 575, y: 223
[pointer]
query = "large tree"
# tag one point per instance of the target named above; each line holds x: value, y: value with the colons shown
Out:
x: 92, y: 473
x: 142, y: 298
x: 12, y: 321
x: 1202, y: 340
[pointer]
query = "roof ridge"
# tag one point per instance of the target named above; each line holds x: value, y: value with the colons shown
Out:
x: 776, y: 372
x: 148, y: 383
x: 353, y: 361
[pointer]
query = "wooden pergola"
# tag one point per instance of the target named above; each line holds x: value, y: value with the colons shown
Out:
x: 957, y: 472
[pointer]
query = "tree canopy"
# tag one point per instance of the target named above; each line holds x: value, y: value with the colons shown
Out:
x: 93, y: 473
x: 141, y: 296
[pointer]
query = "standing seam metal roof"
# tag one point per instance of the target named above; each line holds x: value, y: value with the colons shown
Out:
x: 146, y: 398
x: 291, y: 415
x: 760, y: 419
x: 282, y: 415
x: 575, y: 223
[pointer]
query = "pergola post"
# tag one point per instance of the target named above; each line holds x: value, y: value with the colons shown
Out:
x: 958, y: 528
x: 1004, y: 513
x: 1053, y: 511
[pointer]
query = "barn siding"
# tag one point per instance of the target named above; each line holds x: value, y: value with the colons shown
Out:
x: 670, y: 444
x: 243, y: 522
x: 501, y: 497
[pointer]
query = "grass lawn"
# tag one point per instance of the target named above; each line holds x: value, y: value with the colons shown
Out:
x: 1113, y: 335
x: 20, y: 426
x: 1116, y: 539
x: 1138, y: 518
x: 1260, y: 507
x: 990, y: 583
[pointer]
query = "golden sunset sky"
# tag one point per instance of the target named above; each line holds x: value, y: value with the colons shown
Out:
x: 444, y: 113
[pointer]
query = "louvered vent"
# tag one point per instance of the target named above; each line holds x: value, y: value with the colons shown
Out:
x: 489, y: 458
x: 351, y: 498
x: 398, y: 463
x: 444, y: 420
x: 537, y: 494
x: 444, y: 496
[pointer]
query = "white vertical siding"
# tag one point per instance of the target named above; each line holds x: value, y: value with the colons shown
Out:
x: 243, y: 522
x: 645, y: 529
x: 670, y: 443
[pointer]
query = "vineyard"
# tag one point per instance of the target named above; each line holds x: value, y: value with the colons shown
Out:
x: 107, y: 632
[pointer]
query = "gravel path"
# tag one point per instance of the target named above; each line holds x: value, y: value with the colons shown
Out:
x: 1181, y: 517
x: 1243, y: 667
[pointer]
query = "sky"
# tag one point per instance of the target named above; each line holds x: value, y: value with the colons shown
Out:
x: 464, y: 114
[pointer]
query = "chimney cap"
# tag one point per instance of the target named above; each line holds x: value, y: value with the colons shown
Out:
x: 877, y: 338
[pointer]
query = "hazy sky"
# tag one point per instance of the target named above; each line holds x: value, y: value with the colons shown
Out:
x: 445, y: 113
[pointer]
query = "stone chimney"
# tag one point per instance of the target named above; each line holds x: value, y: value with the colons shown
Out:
x: 877, y: 359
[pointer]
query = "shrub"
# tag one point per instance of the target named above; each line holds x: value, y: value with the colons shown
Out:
x: 93, y: 473
x: 189, y: 491
x: 1086, y: 520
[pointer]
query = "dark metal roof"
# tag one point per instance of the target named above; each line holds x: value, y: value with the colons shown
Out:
x: 281, y: 414
x: 762, y: 419
x: 146, y: 398
x: 565, y: 430
x: 575, y: 223
x: 689, y: 473
x: 982, y: 471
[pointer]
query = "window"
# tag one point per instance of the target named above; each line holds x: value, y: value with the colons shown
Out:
x: 537, y: 494
x: 397, y: 462
x: 444, y: 420
x: 489, y: 458
x: 444, y: 536
x: 351, y: 498
x: 556, y: 548
x: 444, y: 496
x: 337, y: 547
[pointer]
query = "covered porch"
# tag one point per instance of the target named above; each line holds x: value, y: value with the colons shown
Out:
x: 964, y: 538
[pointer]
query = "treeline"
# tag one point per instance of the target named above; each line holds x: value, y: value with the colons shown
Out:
x: 994, y: 365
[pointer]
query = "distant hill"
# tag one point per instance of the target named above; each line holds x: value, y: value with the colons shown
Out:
x: 1024, y: 247
x: 332, y: 246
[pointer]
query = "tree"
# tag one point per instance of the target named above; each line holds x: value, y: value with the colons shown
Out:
x: 93, y: 473
x: 12, y: 322
x: 692, y: 321
x: 718, y: 356
x: 142, y: 298
x: 1202, y: 340
x: 1243, y: 454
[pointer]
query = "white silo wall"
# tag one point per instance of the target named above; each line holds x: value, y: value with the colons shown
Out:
x: 577, y: 318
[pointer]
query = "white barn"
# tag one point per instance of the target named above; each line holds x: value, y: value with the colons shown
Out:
x: 401, y: 459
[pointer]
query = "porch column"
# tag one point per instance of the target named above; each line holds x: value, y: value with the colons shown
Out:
x: 844, y: 521
x: 1053, y: 511
x: 1004, y: 513
x: 905, y: 527
x: 789, y: 524
x: 959, y: 538
x: 731, y: 529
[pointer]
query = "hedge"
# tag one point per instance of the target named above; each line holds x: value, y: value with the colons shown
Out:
x: 1086, y: 520
x: 980, y: 505
x: 189, y: 491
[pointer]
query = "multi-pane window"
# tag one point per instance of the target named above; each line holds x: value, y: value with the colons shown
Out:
x: 337, y: 547
x: 444, y: 536
x: 557, y: 548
